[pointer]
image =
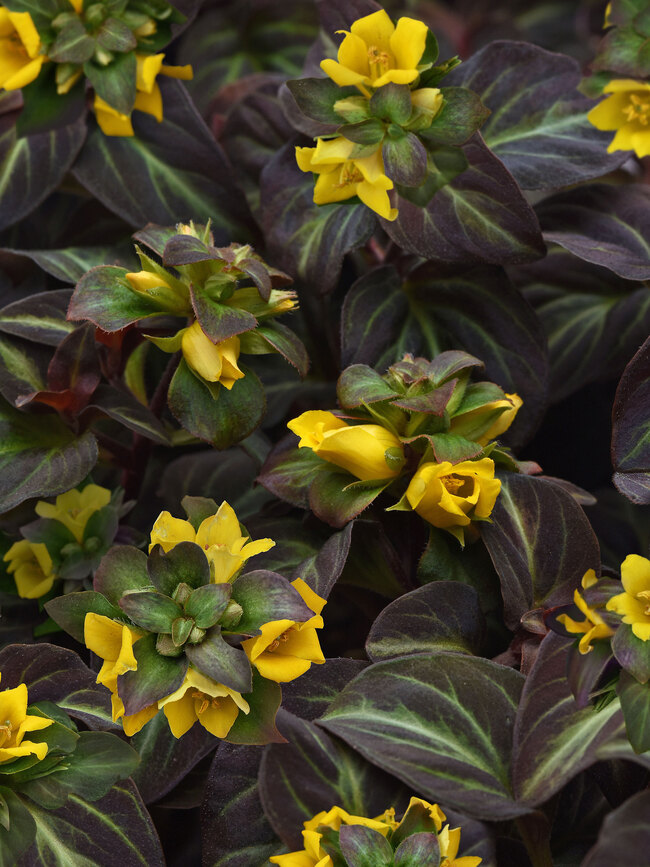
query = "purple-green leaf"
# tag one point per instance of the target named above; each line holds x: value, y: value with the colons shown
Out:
x: 156, y: 676
x: 631, y: 429
x: 220, y: 661
x: 266, y: 596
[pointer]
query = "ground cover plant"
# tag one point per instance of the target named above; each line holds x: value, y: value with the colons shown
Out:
x: 324, y: 433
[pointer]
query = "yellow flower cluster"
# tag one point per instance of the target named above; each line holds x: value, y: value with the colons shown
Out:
x: 22, y: 56
x: 30, y: 562
x: 446, y: 495
x: 313, y: 854
x: 373, y: 53
x: 284, y: 651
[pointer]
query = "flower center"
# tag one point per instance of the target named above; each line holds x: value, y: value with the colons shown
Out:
x: 457, y: 485
x: 279, y: 640
x: 17, y: 43
x: 638, y: 109
x: 380, y: 61
x: 350, y: 174
x: 206, y: 701
x: 6, y: 730
x: 644, y: 596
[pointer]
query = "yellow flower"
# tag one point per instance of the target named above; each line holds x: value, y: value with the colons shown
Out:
x: 359, y: 449
x: 286, y: 649
x: 626, y: 110
x: 113, y: 642
x: 32, y: 567
x: 313, y: 855
x: 450, y: 496
x: 593, y: 626
x: 214, y: 705
x: 448, y: 838
x: 341, y: 176
x: 167, y: 292
x: 634, y: 603
x: 214, y: 362
x: 15, y: 723
x: 375, y: 52
x: 74, y: 508
x: 148, y: 97
x: 219, y: 536
x: 20, y: 50
x: 470, y: 424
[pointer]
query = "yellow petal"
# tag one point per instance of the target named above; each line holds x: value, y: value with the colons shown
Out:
x: 407, y: 43
x: 642, y: 630
x: 168, y: 531
x: 332, y: 151
x: 24, y: 76
x: 353, y: 55
x: 150, y: 103
x: 133, y: 723
x: 635, y: 574
x: 375, y: 197
x: 186, y: 73
x: 111, y: 122
x: 328, y: 188
x: 375, y: 30
x: 608, y: 114
x: 360, y: 450
x: 304, y: 158
x: 220, y: 719
x: 77, y: 5
x: 313, y: 600
x: 341, y: 75
x: 27, y: 32
x: 180, y: 714
x: 619, y: 85
x: 147, y: 68
x: 311, y: 425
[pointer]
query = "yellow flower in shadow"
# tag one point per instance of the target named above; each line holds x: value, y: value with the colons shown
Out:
x: 199, y: 698
x: 593, y: 626
x: 32, y: 568
x: 75, y: 507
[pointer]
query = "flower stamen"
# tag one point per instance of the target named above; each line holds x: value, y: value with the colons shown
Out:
x: 638, y: 109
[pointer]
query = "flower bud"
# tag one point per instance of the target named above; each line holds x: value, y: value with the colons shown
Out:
x: 368, y: 451
x: 487, y: 422
x: 156, y: 288
x: 232, y: 615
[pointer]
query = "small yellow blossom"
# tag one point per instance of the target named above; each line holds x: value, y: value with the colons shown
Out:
x: 20, y: 50
x: 634, y: 603
x: 430, y: 99
x: 593, y: 626
x: 359, y: 449
x: 214, y: 362
x: 219, y: 536
x: 285, y: 650
x: 341, y: 176
x: 375, y: 52
x: 74, y: 508
x: 450, y: 496
x: 448, y: 838
x: 626, y: 110
x: 113, y: 642
x: 15, y: 723
x: 313, y: 855
x: 214, y: 705
x: 465, y: 424
x: 32, y: 568
x: 148, y: 97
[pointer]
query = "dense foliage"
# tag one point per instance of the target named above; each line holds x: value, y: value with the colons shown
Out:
x: 325, y: 433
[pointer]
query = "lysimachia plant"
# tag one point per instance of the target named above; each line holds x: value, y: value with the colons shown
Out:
x: 324, y: 433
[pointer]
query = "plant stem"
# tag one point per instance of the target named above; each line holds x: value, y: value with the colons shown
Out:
x: 534, y: 832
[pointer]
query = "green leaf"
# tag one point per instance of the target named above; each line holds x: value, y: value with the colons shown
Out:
x: 72, y: 44
x: 306, y: 240
x: 115, y: 829
x: 330, y: 502
x: 392, y: 102
x: 219, y: 321
x: 538, y: 125
x: 21, y: 831
x: 442, y: 615
x: 151, y: 610
x: 69, y: 264
x: 635, y: 704
x: 123, y: 407
x: 114, y: 83
x: 265, y: 596
x: 364, y: 847
x: 184, y: 563
x: 444, y: 164
x: 594, y: 321
x: 276, y: 337
x: 631, y: 429
x: 39, y: 317
x: 21, y: 369
x: 480, y: 216
x: 419, y: 849
x: 555, y: 740
x: 220, y: 661
x: 313, y: 769
x: 440, y: 722
x: 39, y: 460
x: 115, y: 35
x: 258, y: 725
x: 32, y: 166
x: 182, y: 172
x: 99, y: 760
x: 104, y: 297
x: 405, y: 159
x: 365, y: 132
x: 207, y: 604
x: 541, y: 544
x: 288, y: 472
x: 315, y: 97
x: 155, y: 677
x: 70, y: 611
x: 632, y: 653
x: 461, y: 115
x: 602, y: 224
x: 223, y: 421
x: 359, y: 384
